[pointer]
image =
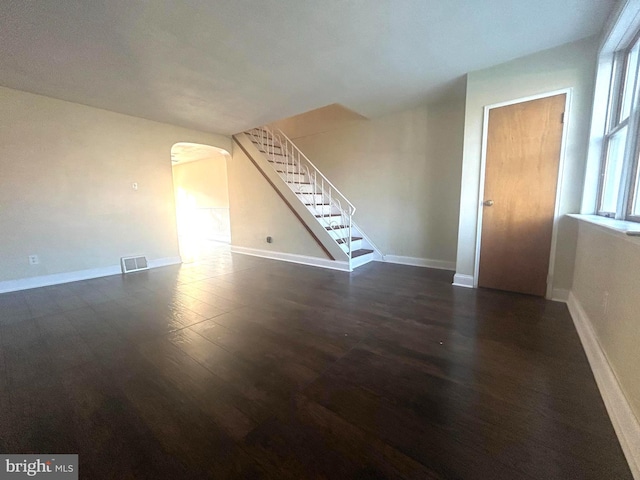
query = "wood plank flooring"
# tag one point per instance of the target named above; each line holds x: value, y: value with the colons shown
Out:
x: 240, y: 367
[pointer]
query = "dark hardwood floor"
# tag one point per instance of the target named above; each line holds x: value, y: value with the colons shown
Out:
x: 241, y: 367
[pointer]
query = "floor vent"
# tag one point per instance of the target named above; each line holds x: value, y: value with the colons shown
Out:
x: 133, y: 264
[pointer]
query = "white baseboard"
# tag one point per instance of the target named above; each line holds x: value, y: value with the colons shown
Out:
x: 419, y: 262
x: 560, y: 295
x: 164, y: 262
x: 67, y: 277
x: 293, y: 258
x: 625, y: 423
x: 460, y: 280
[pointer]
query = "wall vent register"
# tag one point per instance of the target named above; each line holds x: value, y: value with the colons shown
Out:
x: 134, y: 264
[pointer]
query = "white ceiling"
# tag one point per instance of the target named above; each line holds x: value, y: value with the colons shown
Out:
x: 228, y: 65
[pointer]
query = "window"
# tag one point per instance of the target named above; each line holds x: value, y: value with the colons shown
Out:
x: 619, y: 187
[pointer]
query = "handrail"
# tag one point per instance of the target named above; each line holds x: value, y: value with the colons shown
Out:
x: 353, y: 208
x: 299, y: 172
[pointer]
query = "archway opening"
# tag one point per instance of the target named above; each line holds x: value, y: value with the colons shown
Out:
x: 201, y: 194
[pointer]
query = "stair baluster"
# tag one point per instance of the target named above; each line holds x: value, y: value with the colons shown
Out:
x: 305, y: 179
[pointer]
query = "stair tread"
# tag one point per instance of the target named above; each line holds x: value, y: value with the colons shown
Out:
x: 359, y: 253
x: 254, y: 138
x: 275, y: 154
x: 262, y: 145
x: 329, y: 215
x: 315, y: 204
x: 281, y: 163
x: 336, y: 227
x: 344, y: 240
x: 268, y: 152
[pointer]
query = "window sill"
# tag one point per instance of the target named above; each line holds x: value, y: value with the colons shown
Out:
x: 622, y: 227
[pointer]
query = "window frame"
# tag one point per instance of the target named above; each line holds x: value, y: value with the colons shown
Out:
x: 629, y: 184
x: 633, y: 191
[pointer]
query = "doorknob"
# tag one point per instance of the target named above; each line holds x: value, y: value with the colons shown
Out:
x: 488, y: 203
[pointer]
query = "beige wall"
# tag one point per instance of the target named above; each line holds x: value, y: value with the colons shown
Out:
x: 205, y: 179
x: 65, y: 185
x: 608, y: 262
x: 402, y: 172
x: 257, y: 211
x: 571, y: 65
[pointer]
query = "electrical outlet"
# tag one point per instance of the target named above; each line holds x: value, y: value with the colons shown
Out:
x: 34, y: 260
x: 134, y: 185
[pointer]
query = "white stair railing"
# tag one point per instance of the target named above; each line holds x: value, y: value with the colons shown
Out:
x: 314, y: 189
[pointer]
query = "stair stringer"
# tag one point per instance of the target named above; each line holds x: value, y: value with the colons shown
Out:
x: 320, y: 233
x: 368, y: 243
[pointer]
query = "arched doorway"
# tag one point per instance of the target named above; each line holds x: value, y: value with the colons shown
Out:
x: 202, y: 199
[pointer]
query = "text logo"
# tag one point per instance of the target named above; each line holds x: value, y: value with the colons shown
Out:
x: 50, y: 467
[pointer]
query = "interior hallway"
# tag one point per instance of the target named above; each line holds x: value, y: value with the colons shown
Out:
x: 241, y: 367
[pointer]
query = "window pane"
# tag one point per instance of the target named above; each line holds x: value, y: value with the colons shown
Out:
x: 613, y: 171
x: 629, y: 81
x: 635, y: 206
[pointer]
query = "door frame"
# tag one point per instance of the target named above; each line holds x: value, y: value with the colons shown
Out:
x: 483, y: 164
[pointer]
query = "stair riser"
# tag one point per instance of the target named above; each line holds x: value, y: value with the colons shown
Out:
x: 363, y: 259
x: 331, y: 221
x: 323, y: 209
x: 355, y: 245
x: 302, y: 188
x: 268, y: 148
x: 292, y: 177
x: 309, y: 198
x: 283, y: 169
x: 255, y: 135
x: 280, y: 161
x: 339, y: 233
x: 264, y: 143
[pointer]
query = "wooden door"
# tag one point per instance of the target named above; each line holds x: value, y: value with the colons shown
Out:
x: 521, y: 177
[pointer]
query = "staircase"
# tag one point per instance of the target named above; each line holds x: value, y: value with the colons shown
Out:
x: 326, y: 206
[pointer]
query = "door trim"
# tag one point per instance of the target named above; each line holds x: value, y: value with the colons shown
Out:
x: 483, y: 164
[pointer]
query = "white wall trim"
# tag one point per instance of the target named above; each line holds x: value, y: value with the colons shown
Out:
x: 67, y: 277
x: 483, y: 164
x: 461, y: 280
x: 620, y: 29
x: 560, y: 295
x: 419, y: 262
x: 293, y: 258
x: 57, y: 278
x: 164, y: 262
x: 625, y: 423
